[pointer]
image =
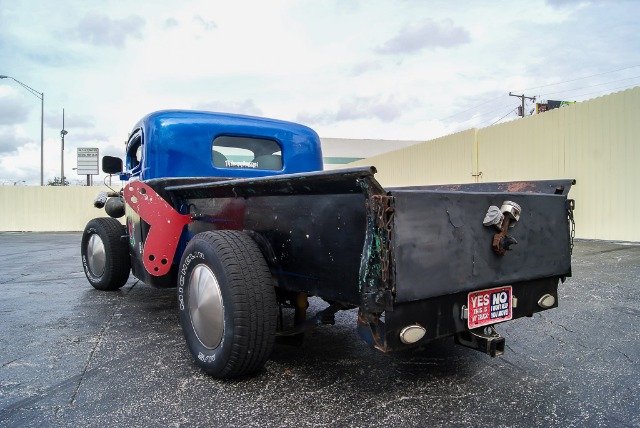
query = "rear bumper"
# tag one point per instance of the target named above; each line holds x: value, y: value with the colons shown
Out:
x: 443, y: 316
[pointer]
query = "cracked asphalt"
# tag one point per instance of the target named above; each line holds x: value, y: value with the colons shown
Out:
x: 74, y: 356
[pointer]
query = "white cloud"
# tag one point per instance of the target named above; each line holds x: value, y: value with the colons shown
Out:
x: 206, y: 25
x: 426, y: 34
x: 11, y: 140
x: 13, y: 107
x: 101, y: 30
x: 384, y: 109
x: 247, y: 107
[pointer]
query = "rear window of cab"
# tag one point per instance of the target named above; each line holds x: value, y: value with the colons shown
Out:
x: 235, y: 152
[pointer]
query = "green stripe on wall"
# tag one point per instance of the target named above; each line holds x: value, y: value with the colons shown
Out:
x: 330, y: 160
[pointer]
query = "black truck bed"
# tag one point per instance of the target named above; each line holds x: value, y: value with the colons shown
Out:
x: 319, y: 231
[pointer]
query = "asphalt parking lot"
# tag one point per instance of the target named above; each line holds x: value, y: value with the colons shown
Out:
x: 74, y: 356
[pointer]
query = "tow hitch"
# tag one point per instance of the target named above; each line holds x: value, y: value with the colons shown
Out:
x: 483, y: 339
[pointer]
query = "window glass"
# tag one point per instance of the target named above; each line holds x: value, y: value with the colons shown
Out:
x: 229, y: 151
x: 134, y: 152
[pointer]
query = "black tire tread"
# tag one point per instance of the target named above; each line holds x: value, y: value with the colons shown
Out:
x: 250, y: 285
x: 116, y: 251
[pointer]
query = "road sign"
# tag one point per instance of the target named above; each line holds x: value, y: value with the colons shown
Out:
x: 88, y: 161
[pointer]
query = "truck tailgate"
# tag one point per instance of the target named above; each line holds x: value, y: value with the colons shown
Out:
x: 441, y: 246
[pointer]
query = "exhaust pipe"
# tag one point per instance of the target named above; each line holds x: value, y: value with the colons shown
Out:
x: 102, y: 197
x: 112, y: 202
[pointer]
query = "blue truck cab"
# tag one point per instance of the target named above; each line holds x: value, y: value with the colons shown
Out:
x: 172, y: 147
x: 180, y: 143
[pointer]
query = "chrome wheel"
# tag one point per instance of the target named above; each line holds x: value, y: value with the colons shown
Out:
x: 96, y: 257
x: 227, y: 303
x: 206, y: 309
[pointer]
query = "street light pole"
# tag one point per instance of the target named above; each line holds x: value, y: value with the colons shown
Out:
x: 41, y: 96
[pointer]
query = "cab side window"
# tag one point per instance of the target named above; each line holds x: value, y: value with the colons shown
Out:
x: 134, y: 153
x: 236, y: 152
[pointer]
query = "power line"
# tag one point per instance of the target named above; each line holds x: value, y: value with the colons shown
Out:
x: 510, y: 111
x: 579, y: 78
x: 472, y: 108
x: 590, y: 86
x: 480, y: 119
x: 604, y: 91
x: 550, y: 93
x: 481, y: 115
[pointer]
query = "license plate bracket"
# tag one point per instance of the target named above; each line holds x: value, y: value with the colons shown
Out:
x: 489, y: 306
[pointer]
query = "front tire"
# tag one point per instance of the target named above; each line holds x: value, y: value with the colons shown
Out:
x: 227, y: 303
x: 105, y: 255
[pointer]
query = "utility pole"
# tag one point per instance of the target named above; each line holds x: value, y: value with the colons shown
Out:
x: 522, y: 97
x: 62, y: 134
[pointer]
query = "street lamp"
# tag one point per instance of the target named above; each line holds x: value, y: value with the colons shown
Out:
x: 41, y: 96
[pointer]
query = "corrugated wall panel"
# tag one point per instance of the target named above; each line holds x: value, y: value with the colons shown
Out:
x: 47, y: 208
x: 601, y: 153
x: 531, y: 148
x: 444, y: 160
x: 595, y: 142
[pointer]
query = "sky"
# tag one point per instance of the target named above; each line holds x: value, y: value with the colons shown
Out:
x: 363, y: 69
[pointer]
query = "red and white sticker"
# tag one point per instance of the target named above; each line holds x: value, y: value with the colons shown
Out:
x: 489, y: 306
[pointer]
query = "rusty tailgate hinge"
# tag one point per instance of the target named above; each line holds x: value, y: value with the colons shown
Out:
x: 383, y: 206
x: 376, y: 269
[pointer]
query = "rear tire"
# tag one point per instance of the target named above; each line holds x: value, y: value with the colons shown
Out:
x: 227, y: 303
x: 105, y: 255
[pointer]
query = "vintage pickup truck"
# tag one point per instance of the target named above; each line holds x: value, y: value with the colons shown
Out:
x: 237, y: 214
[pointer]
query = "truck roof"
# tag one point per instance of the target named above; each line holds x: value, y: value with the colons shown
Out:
x: 188, y: 143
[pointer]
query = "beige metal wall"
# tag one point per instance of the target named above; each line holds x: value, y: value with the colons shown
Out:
x: 48, y: 208
x: 449, y: 159
x: 596, y: 142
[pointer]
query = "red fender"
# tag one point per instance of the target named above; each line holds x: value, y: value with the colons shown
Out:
x: 165, y: 223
